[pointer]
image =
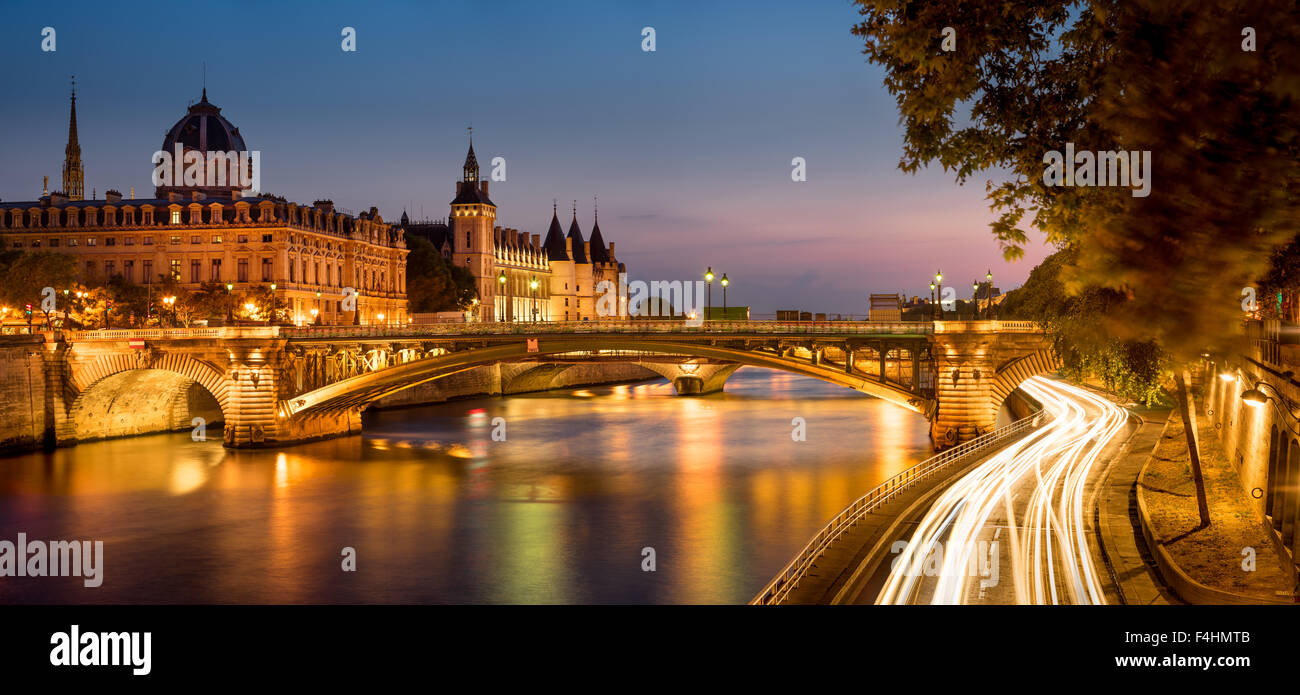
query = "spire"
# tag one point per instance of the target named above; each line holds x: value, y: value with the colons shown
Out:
x: 74, y: 183
x: 471, y: 162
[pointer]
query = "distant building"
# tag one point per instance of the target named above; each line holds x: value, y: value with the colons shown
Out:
x: 197, y: 234
x: 885, y: 307
x: 545, y: 280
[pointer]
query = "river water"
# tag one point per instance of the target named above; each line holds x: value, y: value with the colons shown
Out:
x: 437, y: 510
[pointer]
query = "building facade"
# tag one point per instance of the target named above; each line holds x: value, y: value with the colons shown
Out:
x: 318, y: 259
x: 519, y: 276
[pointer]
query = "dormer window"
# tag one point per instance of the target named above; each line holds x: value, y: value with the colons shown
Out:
x: 176, y: 216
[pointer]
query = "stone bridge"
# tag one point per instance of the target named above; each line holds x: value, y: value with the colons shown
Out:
x: 274, y: 386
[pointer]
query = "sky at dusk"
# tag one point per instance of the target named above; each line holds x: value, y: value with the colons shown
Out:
x: 689, y: 148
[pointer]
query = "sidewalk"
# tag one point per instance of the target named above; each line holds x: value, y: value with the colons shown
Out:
x: 1124, y: 549
x: 1208, y: 565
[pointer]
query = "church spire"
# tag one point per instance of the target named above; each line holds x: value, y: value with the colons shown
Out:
x: 74, y: 183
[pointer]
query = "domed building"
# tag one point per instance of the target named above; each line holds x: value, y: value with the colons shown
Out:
x: 319, y: 264
x: 204, y: 130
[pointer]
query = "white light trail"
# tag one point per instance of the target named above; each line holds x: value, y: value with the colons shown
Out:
x: 1039, y: 485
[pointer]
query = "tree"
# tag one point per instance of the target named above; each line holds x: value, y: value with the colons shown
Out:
x: 1165, y: 76
x: 1132, y: 369
x: 25, y: 275
x: 432, y: 283
x: 1168, y: 77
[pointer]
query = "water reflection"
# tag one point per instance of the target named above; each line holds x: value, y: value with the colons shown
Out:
x: 438, y: 511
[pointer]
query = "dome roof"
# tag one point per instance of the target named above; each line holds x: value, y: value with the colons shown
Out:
x: 204, y: 129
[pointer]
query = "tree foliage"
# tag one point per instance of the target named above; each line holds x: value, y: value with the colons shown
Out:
x: 1166, y: 76
x: 1134, y: 369
x: 433, y: 284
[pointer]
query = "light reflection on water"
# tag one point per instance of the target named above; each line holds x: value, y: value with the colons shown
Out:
x: 440, y: 512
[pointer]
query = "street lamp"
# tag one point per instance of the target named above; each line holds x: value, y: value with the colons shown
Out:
x: 532, y: 285
x: 708, y: 301
x: 504, y: 304
x: 724, y: 282
x: 271, y: 319
x: 315, y: 315
x: 230, y: 304
x: 170, y: 302
x: 380, y: 316
x: 989, y: 292
x: 938, y: 280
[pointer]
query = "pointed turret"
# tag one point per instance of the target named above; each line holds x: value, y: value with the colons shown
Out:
x: 599, y: 254
x: 575, y: 234
x: 471, y: 164
x: 555, y: 239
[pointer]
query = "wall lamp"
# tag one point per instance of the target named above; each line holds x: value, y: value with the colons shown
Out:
x: 1256, y: 398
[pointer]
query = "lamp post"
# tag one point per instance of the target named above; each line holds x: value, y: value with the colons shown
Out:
x: 271, y: 319
x: 724, y: 282
x: 504, y: 303
x: 932, y: 299
x: 230, y: 303
x: 532, y: 285
x: 938, y: 281
x: 170, y: 302
x: 989, y: 292
x: 975, y: 297
x: 708, y: 296
x: 315, y: 315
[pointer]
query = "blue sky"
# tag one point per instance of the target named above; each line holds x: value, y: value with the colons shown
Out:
x: 688, y: 147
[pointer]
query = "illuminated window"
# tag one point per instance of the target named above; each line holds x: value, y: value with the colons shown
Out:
x: 176, y: 216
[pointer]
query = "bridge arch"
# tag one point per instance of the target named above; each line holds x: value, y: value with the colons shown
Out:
x: 129, y: 394
x: 359, y: 391
x: 1010, y: 376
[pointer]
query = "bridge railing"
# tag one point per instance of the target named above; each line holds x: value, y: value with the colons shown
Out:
x: 793, y: 573
x: 987, y: 327
x: 528, y: 329
x: 605, y: 327
x: 173, y: 333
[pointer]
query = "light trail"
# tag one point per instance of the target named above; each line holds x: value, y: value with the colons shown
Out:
x: 1035, y: 487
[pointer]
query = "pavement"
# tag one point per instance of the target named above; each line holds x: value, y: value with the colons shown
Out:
x: 1133, y: 575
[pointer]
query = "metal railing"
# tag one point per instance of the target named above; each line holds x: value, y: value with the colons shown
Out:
x: 172, y: 333
x: 631, y: 327
x: 634, y: 327
x: 789, y: 577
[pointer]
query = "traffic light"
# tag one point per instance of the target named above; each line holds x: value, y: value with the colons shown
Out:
x: 29, y: 317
